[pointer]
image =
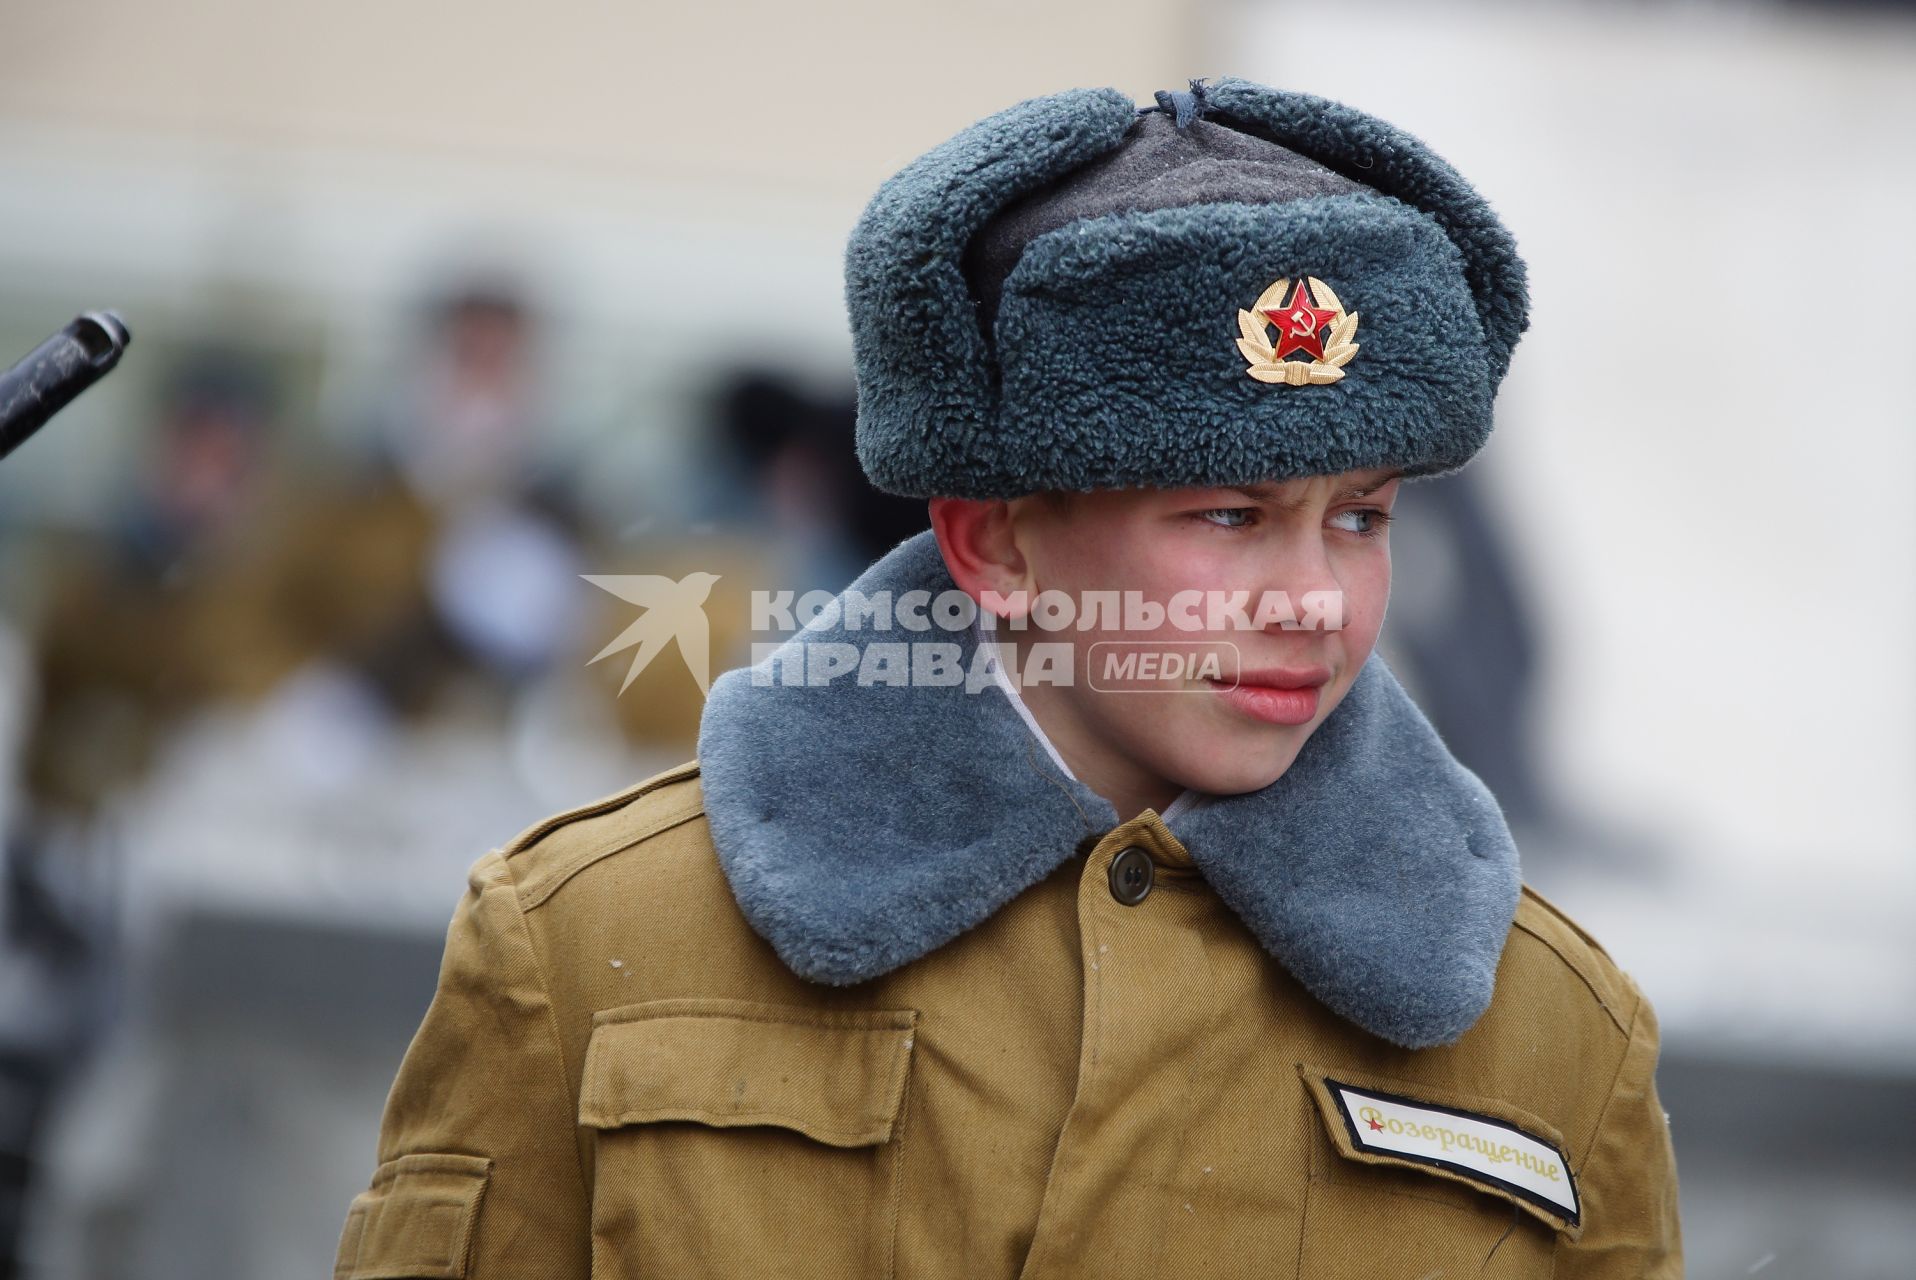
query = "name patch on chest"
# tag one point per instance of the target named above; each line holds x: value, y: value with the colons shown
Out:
x: 1477, y: 1146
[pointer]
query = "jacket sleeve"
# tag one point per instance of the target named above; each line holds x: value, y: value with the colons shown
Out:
x: 479, y: 1174
x: 1628, y: 1184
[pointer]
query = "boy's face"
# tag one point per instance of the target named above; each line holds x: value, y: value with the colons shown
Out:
x: 1225, y: 706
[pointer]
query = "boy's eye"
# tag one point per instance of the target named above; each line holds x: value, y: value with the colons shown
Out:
x: 1366, y: 521
x: 1229, y: 517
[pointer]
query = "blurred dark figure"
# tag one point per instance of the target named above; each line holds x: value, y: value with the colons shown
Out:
x: 797, y: 479
x: 56, y: 994
x: 1466, y: 636
x: 1464, y: 631
x: 128, y: 640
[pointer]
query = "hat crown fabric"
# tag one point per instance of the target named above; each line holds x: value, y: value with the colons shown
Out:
x: 1159, y: 165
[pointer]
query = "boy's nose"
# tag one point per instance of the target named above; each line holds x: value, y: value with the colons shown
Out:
x: 1313, y: 591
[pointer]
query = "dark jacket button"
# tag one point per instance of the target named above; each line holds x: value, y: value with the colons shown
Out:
x: 1131, y: 875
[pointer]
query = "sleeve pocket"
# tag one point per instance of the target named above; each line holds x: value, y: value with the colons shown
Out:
x: 416, y: 1220
x: 835, y: 1076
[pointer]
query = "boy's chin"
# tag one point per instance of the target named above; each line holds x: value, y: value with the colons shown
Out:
x: 1215, y: 768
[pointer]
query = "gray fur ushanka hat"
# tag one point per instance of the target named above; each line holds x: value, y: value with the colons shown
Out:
x: 1240, y: 284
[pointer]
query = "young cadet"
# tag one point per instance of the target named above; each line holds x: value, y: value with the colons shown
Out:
x: 967, y: 950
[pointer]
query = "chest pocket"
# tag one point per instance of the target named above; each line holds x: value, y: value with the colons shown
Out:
x: 1407, y: 1181
x: 744, y: 1139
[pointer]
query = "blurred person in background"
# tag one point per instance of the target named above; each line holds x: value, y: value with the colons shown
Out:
x: 468, y: 439
x: 1469, y: 640
x: 1471, y: 648
x: 137, y: 625
x: 465, y: 441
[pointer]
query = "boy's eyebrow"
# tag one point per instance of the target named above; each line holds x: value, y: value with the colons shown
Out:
x: 1265, y: 492
x: 1362, y: 490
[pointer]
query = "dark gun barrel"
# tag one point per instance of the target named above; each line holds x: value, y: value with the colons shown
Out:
x: 56, y: 371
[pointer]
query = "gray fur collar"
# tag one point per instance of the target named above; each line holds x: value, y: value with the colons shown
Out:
x: 861, y: 827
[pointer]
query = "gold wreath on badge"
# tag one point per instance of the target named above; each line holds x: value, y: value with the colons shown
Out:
x: 1300, y: 317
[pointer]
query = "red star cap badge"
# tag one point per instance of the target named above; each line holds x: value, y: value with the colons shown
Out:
x: 1374, y: 1124
x: 1299, y: 323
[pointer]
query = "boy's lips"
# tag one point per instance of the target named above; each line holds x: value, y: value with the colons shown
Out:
x: 1285, y: 677
x: 1276, y: 695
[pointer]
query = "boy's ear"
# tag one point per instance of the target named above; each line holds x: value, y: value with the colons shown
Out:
x: 977, y: 539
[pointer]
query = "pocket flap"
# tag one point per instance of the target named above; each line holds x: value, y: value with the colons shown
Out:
x: 834, y: 1075
x: 1483, y: 1143
x: 415, y: 1221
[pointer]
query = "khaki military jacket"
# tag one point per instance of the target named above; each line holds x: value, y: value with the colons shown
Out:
x: 940, y: 1016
